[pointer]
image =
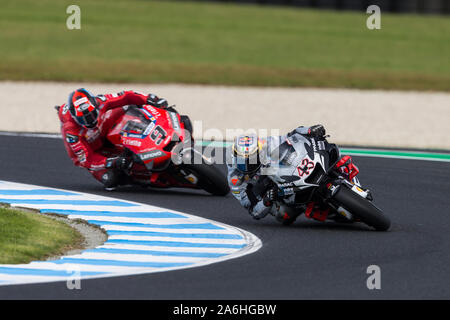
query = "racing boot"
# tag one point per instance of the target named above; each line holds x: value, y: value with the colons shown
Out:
x: 286, y: 215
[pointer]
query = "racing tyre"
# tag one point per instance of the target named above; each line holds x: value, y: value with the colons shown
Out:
x: 362, y: 208
x: 210, y: 179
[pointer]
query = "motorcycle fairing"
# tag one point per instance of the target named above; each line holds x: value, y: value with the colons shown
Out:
x: 146, y: 132
x: 296, y: 159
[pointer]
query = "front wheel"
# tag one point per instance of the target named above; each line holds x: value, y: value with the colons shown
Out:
x: 210, y: 178
x: 362, y: 208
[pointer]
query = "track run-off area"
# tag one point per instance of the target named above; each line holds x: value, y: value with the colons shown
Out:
x: 308, y: 260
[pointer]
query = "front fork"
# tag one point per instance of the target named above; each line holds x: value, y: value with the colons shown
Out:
x: 328, y: 190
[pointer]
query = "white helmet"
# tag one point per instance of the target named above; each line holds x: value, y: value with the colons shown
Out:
x: 246, y: 153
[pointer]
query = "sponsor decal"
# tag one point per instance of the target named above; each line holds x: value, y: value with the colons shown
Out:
x: 132, y: 135
x: 286, y: 185
x: 151, y: 155
x: 246, y: 144
x: 65, y: 109
x: 359, y: 191
x: 321, y: 145
x: 245, y: 141
x: 84, y: 107
x: 80, y: 155
x: 148, y: 114
x: 149, y: 128
x: 131, y: 142
x: 175, y: 122
x: 288, y: 191
x: 234, y: 181
x: 345, y: 213
x: 96, y: 167
x: 191, y: 178
x: 313, y: 143
x: 155, y: 112
x: 71, y: 138
x: 80, y: 101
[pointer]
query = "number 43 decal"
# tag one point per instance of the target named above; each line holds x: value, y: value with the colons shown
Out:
x: 305, y: 167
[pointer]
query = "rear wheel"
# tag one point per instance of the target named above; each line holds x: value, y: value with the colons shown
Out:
x: 362, y: 208
x: 210, y: 178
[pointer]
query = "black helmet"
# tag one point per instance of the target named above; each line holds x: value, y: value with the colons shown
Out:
x: 246, y: 153
x: 83, y: 108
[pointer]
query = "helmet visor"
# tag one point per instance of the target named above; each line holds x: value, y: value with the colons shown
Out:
x: 248, y: 164
x: 87, y: 118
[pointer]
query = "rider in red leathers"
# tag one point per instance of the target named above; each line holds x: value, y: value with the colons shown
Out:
x: 85, y: 121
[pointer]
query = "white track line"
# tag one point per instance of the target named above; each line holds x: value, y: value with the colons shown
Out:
x: 154, y: 229
x: 168, y: 249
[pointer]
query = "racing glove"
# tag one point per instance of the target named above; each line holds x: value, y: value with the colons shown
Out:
x: 157, y: 102
x: 120, y: 163
x: 270, y: 197
x: 317, y: 131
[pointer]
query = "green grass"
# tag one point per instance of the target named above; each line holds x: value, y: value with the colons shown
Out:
x: 216, y: 43
x: 26, y: 236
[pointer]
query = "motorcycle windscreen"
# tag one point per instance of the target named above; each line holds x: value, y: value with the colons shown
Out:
x: 136, y: 128
x: 284, y: 157
x: 138, y: 124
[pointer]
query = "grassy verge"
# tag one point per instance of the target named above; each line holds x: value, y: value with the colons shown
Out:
x: 27, y: 236
x: 214, y: 43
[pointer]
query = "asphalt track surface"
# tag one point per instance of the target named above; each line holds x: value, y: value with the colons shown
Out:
x: 308, y: 260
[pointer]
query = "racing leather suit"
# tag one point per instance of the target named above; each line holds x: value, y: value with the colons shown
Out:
x: 86, y: 146
x: 250, y: 189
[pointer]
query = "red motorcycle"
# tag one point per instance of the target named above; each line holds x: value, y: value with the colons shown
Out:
x: 159, y: 142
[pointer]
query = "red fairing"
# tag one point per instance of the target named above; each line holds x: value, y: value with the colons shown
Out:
x: 151, y: 134
x: 161, y: 132
x: 86, y: 146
